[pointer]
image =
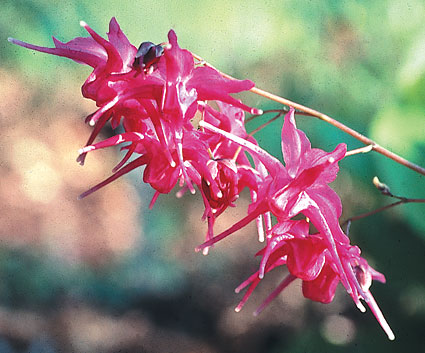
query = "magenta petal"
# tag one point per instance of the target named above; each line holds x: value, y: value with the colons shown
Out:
x: 210, y: 81
x: 284, y: 227
x: 235, y: 117
x: 248, y: 177
x: 211, y: 85
x: 330, y: 206
x: 322, y: 289
x: 273, y: 165
x: 179, y: 62
x: 114, y: 59
x: 377, y: 275
x: 306, y: 258
x: 79, y: 56
x: 119, y: 40
x: 295, y: 145
x: 177, y: 101
x: 155, y: 117
x: 285, y: 199
x: 178, y: 98
x: 127, y: 168
x: 317, y: 156
x: 83, y: 44
x: 331, y: 234
x: 113, y: 141
x: 299, y: 228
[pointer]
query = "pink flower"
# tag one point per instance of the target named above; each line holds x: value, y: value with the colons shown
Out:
x: 290, y: 190
x: 300, y: 186
x: 154, y: 91
x: 222, y: 188
x: 109, y: 58
x: 232, y: 120
x: 112, y: 83
x: 229, y: 171
x: 158, y: 172
x: 308, y: 258
x: 186, y: 84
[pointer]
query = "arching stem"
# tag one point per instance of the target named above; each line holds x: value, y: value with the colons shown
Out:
x: 367, y: 141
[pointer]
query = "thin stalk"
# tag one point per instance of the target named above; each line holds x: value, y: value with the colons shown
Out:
x: 367, y: 141
x: 402, y: 200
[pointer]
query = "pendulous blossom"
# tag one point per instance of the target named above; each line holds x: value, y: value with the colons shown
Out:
x: 167, y: 94
x: 157, y: 93
x: 301, y: 187
x: 307, y: 257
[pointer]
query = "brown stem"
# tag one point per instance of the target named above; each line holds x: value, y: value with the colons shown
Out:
x: 367, y: 141
x: 383, y: 208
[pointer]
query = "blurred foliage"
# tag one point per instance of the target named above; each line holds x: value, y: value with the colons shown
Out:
x: 361, y: 62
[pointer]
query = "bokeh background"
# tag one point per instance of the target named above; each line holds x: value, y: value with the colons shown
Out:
x: 106, y: 274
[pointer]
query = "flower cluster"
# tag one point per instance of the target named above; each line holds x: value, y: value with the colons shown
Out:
x: 158, y: 93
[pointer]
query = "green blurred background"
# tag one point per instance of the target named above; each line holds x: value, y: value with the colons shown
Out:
x: 106, y: 274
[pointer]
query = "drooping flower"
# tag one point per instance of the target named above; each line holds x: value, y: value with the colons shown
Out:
x: 155, y: 92
x: 223, y: 189
x: 156, y: 83
x: 158, y: 172
x: 305, y: 178
x: 113, y: 84
x: 301, y: 186
x: 308, y: 258
x: 229, y: 170
x: 273, y: 255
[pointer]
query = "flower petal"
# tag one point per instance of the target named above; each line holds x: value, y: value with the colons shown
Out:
x: 322, y: 288
x: 119, y: 40
x: 295, y: 145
